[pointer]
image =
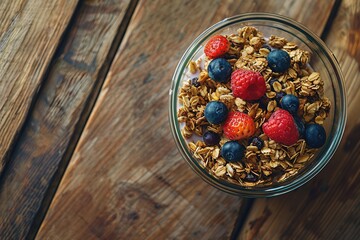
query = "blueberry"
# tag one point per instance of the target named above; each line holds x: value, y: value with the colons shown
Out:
x: 300, y: 126
x: 290, y: 103
x: 216, y: 112
x: 256, y: 141
x: 315, y: 135
x: 272, y: 81
x: 278, y: 60
x: 279, y: 96
x: 232, y: 151
x: 210, y: 138
x: 263, y: 102
x: 250, y: 177
x: 220, y: 70
x: 194, y: 81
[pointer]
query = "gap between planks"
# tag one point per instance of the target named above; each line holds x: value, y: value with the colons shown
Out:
x: 83, y: 120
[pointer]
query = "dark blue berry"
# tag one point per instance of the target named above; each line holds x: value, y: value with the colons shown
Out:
x: 272, y: 81
x: 256, y: 141
x: 250, y: 177
x: 216, y: 112
x: 194, y: 81
x: 300, y: 126
x: 263, y: 102
x: 278, y: 60
x: 266, y: 46
x: 290, y: 103
x: 315, y: 135
x: 210, y: 138
x: 279, y: 96
x: 232, y: 151
x: 220, y: 70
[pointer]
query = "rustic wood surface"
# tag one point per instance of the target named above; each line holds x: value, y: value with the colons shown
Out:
x: 329, y: 206
x: 126, y: 179
x: 29, y: 35
x: 77, y: 73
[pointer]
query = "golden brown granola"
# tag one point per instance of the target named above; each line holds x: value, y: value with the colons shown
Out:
x: 274, y: 162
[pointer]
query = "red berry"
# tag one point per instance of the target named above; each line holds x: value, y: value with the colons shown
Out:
x: 281, y: 128
x: 216, y: 47
x: 247, y: 85
x: 238, y: 125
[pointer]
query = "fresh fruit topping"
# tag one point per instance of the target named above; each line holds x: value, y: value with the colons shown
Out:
x: 256, y: 141
x: 211, y: 138
x: 300, y: 126
x: 247, y: 85
x: 220, y: 70
x: 217, y: 46
x: 263, y: 102
x: 279, y: 96
x: 272, y: 81
x: 250, y: 177
x: 232, y: 151
x: 281, y: 128
x: 238, y: 125
x: 315, y: 135
x: 216, y: 112
x: 278, y: 60
x: 194, y: 81
x: 290, y: 103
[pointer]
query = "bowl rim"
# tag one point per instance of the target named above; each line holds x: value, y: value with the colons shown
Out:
x: 271, y: 190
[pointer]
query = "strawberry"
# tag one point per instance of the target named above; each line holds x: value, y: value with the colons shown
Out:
x: 281, y: 128
x: 217, y: 46
x: 247, y: 84
x: 238, y: 125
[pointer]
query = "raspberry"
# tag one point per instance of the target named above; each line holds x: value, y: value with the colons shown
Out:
x: 281, y: 128
x: 238, y: 125
x: 247, y: 85
x: 217, y: 46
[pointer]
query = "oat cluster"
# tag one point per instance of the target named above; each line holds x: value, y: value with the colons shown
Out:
x: 274, y: 162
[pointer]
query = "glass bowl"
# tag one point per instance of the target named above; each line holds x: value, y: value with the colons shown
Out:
x: 322, y: 61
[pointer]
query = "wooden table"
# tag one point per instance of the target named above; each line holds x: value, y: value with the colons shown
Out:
x: 85, y: 145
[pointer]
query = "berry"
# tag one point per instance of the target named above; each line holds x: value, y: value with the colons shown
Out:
x: 272, y: 81
x: 263, y: 102
x: 315, y: 135
x: 279, y: 96
x: 194, y: 81
x: 210, y: 138
x: 290, y: 103
x: 247, y: 85
x: 217, y: 46
x: 216, y: 112
x: 232, y: 151
x: 256, y: 141
x: 250, y: 177
x: 220, y: 70
x: 300, y: 126
x: 278, y: 60
x: 281, y: 128
x: 238, y: 125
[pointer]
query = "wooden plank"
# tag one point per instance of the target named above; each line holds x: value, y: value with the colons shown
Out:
x: 328, y: 207
x: 40, y: 153
x: 142, y: 188
x: 30, y: 31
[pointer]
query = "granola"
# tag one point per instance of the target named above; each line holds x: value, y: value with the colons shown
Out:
x: 274, y: 162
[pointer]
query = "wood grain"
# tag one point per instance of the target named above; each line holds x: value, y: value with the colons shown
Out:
x: 328, y: 207
x: 29, y: 35
x: 58, y: 113
x: 126, y: 179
